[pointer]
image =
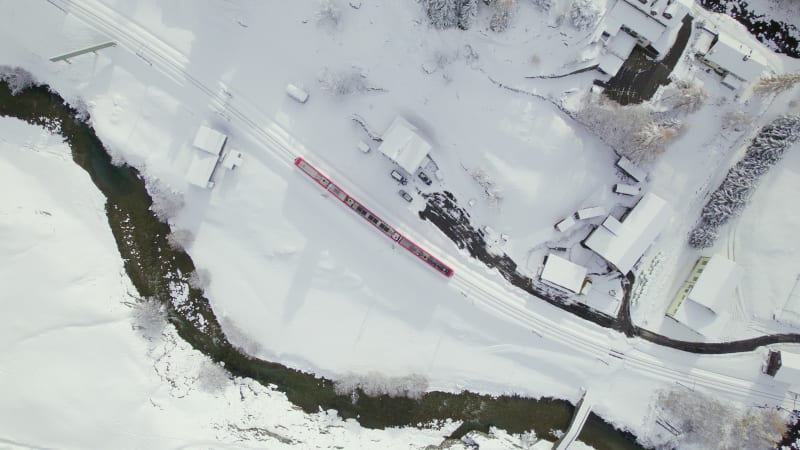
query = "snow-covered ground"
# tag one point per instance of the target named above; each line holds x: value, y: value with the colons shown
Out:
x: 76, y: 370
x: 296, y: 278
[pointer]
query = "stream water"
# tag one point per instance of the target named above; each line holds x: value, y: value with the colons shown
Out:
x: 152, y: 265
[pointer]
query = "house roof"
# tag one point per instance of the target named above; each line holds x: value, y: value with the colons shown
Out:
x: 700, y: 319
x: 201, y: 168
x: 610, y: 63
x: 716, y: 283
x: 403, y: 145
x: 209, y: 140
x: 621, y: 45
x: 736, y: 58
x: 638, y: 230
x: 563, y: 272
x: 623, y: 13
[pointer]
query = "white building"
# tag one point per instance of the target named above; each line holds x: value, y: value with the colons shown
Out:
x: 403, y: 145
x: 623, y: 243
x: 705, y: 307
x: 629, y: 168
x: 209, y: 144
x: 736, y: 62
x: 563, y: 274
x: 652, y: 24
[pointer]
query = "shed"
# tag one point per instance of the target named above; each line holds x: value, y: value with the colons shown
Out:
x: 590, y: 213
x: 563, y: 273
x: 566, y: 224
x: 630, y: 168
x: 627, y: 189
x: 403, y: 144
x: 643, y: 224
x: 209, y: 144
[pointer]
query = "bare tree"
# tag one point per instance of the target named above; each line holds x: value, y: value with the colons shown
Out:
x: 199, y: 279
x: 375, y: 384
x: 504, y: 13
x: 180, y: 239
x: 149, y: 318
x: 18, y: 79
x: 684, y: 96
x: 584, y: 14
x: 167, y: 202
x: 212, y: 377
x: 630, y: 129
x: 776, y: 83
x: 706, y: 422
x: 343, y: 82
x: 329, y: 15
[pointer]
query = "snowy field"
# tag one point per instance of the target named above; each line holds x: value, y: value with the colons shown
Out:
x: 79, y: 372
x: 295, y: 278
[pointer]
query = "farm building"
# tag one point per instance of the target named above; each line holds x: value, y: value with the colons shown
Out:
x: 650, y: 24
x: 734, y: 61
x: 703, y: 302
x: 564, y: 274
x: 403, y: 145
x: 208, y: 144
x: 621, y: 244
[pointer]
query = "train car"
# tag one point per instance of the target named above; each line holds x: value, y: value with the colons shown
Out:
x: 376, y: 221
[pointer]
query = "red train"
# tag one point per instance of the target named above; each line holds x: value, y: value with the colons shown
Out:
x: 376, y: 221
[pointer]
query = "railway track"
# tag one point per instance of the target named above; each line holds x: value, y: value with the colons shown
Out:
x: 510, y: 306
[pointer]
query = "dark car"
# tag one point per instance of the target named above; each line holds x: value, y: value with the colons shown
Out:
x: 399, y: 178
x: 406, y: 196
x: 425, y: 179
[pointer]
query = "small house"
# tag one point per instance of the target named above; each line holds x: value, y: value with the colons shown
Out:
x: 564, y: 274
x: 403, y: 144
x: 208, y: 144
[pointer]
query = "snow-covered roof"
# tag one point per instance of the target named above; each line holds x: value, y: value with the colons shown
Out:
x: 563, y: 273
x: 716, y: 283
x: 675, y: 10
x: 790, y: 368
x: 638, y: 231
x: 627, y: 189
x: 610, y: 63
x: 403, y: 145
x: 621, y: 45
x: 736, y: 58
x: 700, y: 319
x: 704, y: 40
x: 628, y: 167
x: 208, y: 140
x: 201, y: 168
x: 588, y: 213
x: 623, y: 13
x: 566, y: 224
x: 613, y: 225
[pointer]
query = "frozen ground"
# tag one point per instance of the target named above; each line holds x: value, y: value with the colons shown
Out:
x: 296, y: 278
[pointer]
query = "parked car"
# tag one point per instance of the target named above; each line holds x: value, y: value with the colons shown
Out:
x: 425, y: 179
x: 399, y: 178
x: 406, y: 196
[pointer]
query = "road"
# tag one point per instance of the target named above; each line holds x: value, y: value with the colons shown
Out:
x: 501, y: 300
